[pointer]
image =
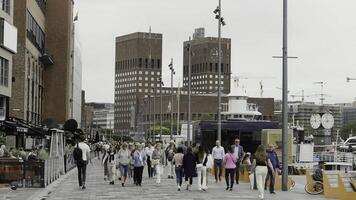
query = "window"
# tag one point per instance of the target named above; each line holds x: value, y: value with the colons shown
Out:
x: 5, y: 6
x: 4, y: 72
x: 34, y: 33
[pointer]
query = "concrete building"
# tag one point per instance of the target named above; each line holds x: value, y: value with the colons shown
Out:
x: 300, y: 113
x: 43, y: 64
x: 137, y: 71
x: 8, y: 47
x: 348, y: 114
x: 204, y: 72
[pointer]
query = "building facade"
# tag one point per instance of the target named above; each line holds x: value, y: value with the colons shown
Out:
x: 8, y: 48
x: 76, y: 102
x: 42, y: 66
x: 348, y: 114
x: 138, y: 62
x: 204, y: 72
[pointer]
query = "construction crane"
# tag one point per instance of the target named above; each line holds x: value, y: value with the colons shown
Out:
x: 301, y: 96
x: 238, y: 78
x: 322, y: 95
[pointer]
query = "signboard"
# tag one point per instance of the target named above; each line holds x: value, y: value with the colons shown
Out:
x: 21, y: 130
x: 10, y: 37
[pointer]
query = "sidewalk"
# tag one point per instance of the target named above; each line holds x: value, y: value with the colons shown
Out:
x: 97, y: 188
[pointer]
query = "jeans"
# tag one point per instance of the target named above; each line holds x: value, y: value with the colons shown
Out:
x: 261, y: 173
x: 237, y: 172
x: 179, y: 175
x: 170, y: 167
x: 123, y: 170
x: 271, y: 181
x: 82, y: 170
x: 138, y: 175
x: 218, y: 163
x: 229, y: 174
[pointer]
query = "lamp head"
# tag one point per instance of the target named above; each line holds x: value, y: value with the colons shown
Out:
x: 217, y: 10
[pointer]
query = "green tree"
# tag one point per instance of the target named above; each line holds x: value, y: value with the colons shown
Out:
x: 347, y: 129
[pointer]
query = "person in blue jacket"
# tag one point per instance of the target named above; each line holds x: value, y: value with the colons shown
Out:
x: 271, y: 153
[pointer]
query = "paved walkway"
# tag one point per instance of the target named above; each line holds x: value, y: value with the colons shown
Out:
x: 98, y: 189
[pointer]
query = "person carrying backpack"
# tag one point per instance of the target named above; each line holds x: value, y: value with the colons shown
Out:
x: 81, y: 155
x: 170, y: 151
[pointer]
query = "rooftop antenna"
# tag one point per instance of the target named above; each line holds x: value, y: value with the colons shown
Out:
x: 261, y: 89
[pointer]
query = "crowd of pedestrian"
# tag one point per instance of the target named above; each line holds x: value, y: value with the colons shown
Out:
x: 122, y: 161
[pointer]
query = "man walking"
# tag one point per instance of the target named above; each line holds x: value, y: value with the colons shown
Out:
x: 170, y: 151
x: 271, y: 153
x: 81, y: 155
x: 218, y: 154
x: 239, y: 153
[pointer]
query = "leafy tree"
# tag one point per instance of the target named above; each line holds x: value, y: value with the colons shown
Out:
x: 347, y: 129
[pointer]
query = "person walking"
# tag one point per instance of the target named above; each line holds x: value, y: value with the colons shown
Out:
x: 189, y: 166
x: 218, y: 154
x: 230, y: 159
x: 178, y: 164
x: 81, y: 154
x: 131, y: 149
x: 271, y: 153
x: 112, y: 165
x: 158, y: 161
x: 105, y: 160
x: 149, y: 151
x: 124, y: 161
x: 169, y: 152
x: 239, y: 153
x: 140, y: 160
x: 259, y: 167
x: 202, y: 159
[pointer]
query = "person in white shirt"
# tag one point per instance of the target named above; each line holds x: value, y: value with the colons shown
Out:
x: 82, y: 165
x: 218, y: 154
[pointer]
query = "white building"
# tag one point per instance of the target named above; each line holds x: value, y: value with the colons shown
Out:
x: 104, y: 116
x: 8, y: 47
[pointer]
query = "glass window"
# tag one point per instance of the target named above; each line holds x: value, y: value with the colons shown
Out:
x: 4, y: 72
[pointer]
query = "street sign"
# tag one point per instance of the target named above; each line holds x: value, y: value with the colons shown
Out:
x: 21, y: 130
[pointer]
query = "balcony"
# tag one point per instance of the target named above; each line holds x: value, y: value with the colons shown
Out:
x: 42, y: 5
x: 47, y: 58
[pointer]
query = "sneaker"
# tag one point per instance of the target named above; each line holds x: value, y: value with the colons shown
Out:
x: 123, y: 184
x: 219, y: 179
x: 230, y: 189
x: 272, y: 192
x: 178, y: 188
x: 187, y: 187
x: 84, y: 187
x: 227, y: 188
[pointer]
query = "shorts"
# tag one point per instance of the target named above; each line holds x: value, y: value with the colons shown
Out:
x: 123, y: 170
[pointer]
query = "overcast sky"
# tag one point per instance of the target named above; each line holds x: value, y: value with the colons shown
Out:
x: 322, y: 33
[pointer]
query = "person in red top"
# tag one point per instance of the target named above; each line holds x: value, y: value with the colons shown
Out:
x: 230, y: 160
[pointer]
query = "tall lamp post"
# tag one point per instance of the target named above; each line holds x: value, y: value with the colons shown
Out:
x: 189, y: 48
x: 221, y: 22
x: 172, y: 73
x: 160, y: 110
x: 154, y: 112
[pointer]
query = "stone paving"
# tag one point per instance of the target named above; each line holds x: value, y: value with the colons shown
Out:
x: 67, y: 189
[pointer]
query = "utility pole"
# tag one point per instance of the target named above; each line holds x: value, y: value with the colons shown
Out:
x: 161, y: 110
x: 154, y: 112
x: 172, y: 73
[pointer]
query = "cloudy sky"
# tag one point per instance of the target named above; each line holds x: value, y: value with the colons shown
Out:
x: 322, y: 33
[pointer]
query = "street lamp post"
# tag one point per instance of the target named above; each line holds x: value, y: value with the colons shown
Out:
x: 189, y: 46
x: 154, y: 111
x: 161, y: 110
x: 149, y: 115
x: 348, y: 79
x: 172, y: 73
x: 221, y: 21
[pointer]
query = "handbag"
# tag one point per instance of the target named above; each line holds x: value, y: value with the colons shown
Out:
x: 155, y: 161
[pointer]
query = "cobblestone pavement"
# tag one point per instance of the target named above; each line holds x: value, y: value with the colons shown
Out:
x: 97, y: 188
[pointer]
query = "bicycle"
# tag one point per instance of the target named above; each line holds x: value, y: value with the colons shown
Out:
x: 314, y: 188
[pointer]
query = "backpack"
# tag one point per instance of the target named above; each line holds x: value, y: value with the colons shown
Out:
x: 78, y: 153
x: 170, y: 155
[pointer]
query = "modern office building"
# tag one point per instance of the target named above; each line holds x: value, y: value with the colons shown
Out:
x: 42, y: 71
x: 348, y: 114
x: 8, y: 48
x: 137, y: 71
x: 204, y: 71
x: 104, y: 118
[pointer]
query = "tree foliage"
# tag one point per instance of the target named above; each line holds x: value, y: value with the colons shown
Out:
x: 347, y: 129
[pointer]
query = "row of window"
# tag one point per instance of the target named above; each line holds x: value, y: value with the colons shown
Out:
x: 205, y: 77
x: 4, y: 72
x: 5, y: 5
x: 137, y: 62
x: 34, y: 32
x: 205, y: 67
x: 123, y: 74
x: 140, y: 78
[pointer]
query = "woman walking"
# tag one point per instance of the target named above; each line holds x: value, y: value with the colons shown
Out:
x: 149, y: 151
x: 124, y: 161
x: 189, y: 166
x: 178, y: 163
x: 259, y: 166
x: 112, y: 165
x: 230, y: 159
x: 131, y: 149
x: 139, y: 158
x: 202, y: 159
x: 105, y: 160
x: 157, y: 161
